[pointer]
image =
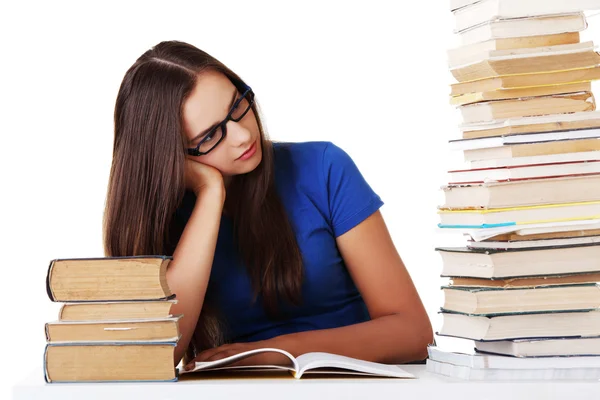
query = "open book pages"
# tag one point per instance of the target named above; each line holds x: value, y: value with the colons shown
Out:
x: 307, y: 363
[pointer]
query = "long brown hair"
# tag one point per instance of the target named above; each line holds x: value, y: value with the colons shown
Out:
x: 146, y: 183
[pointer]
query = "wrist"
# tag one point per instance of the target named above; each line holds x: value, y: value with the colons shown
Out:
x: 216, y: 192
x: 284, y: 342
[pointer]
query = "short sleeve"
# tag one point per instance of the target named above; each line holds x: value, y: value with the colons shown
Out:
x: 350, y: 198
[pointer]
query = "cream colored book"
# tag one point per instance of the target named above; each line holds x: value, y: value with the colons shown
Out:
x: 521, y: 93
x: 534, y: 229
x: 470, y: 53
x: 570, y: 189
x: 489, y: 10
x: 108, y: 279
x: 498, y: 141
x: 529, y: 281
x: 525, y: 81
x: 520, y: 326
x: 528, y: 61
x: 523, y: 172
x: 525, y: 215
x: 533, y: 149
x: 556, y: 241
x: 115, y: 310
x: 516, y: 237
x: 542, y: 348
x: 523, y: 27
x: 496, y: 300
x: 109, y: 362
x: 152, y: 329
x: 527, y: 107
x: 462, y: 262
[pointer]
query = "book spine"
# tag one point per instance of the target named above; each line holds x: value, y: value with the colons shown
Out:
x: 167, y: 298
x: 46, y: 377
x: 48, y: 274
x: 60, y: 312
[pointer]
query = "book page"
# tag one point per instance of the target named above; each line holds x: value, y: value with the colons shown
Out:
x: 225, y: 362
x: 312, y: 361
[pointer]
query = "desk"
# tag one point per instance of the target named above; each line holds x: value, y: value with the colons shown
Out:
x: 194, y: 386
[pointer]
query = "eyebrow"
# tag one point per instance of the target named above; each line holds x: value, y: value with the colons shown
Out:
x: 204, y: 132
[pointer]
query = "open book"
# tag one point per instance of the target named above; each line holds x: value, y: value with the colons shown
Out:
x: 318, y: 363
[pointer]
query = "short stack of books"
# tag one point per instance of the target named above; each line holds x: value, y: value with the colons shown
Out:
x: 115, y: 323
x: 524, y: 288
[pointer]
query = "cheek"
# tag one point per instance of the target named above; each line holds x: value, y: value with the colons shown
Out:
x: 213, y: 159
x: 217, y: 159
x: 250, y: 123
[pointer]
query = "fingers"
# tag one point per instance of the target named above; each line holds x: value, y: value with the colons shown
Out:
x: 209, y: 355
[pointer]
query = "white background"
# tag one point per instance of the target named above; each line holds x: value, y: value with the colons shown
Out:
x: 369, y: 76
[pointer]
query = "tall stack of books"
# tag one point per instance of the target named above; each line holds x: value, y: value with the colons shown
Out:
x: 524, y: 288
x: 115, y: 323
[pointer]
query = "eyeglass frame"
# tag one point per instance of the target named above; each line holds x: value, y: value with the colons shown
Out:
x: 223, y: 124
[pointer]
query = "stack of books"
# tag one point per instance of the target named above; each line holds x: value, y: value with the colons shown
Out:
x: 115, y: 323
x: 524, y: 288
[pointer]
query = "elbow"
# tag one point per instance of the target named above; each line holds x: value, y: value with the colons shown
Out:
x: 426, y: 339
x: 423, y: 338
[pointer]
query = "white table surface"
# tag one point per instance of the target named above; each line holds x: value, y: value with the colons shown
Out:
x: 195, y: 386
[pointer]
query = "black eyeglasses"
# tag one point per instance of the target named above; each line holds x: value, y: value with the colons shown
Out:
x: 217, y: 134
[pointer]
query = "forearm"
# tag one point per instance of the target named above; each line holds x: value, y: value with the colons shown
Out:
x: 189, y: 272
x: 390, y: 339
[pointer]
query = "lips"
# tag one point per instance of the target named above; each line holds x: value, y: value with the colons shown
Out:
x: 247, y: 151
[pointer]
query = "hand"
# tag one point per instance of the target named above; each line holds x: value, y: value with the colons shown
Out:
x: 227, y: 350
x: 199, y: 177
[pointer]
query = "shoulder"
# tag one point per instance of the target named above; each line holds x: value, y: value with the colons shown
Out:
x: 310, y: 154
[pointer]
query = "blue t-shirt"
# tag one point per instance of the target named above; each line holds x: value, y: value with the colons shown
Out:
x: 324, y: 195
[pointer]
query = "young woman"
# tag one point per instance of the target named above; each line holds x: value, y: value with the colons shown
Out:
x: 273, y: 244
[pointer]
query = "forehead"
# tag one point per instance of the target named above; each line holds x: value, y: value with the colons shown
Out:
x: 208, y: 102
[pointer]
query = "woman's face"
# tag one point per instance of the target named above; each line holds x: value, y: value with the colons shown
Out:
x: 208, y: 104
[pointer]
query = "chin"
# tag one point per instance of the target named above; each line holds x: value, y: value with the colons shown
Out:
x: 255, y: 164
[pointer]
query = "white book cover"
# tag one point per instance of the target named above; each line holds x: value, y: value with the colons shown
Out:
x: 489, y: 361
x: 544, y: 374
x: 488, y: 10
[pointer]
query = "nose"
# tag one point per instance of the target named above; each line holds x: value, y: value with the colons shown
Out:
x: 237, y: 134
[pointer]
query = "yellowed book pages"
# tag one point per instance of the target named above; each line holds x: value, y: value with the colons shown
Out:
x: 109, y: 331
x: 548, y: 235
x: 527, y: 107
x: 476, y: 51
x: 534, y: 149
x: 92, y: 363
x: 108, y: 278
x: 527, y: 80
x: 537, y: 41
x: 528, y: 282
x: 535, y: 128
x: 108, y: 311
x: 527, y: 64
x: 506, y: 94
